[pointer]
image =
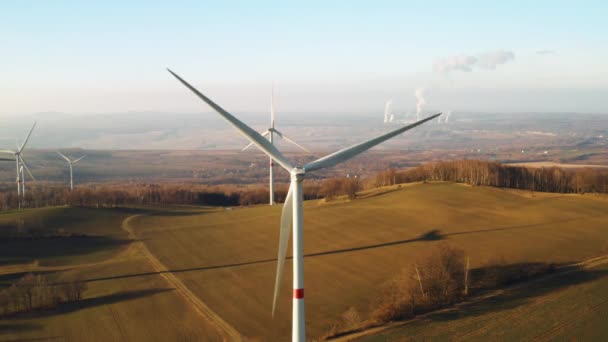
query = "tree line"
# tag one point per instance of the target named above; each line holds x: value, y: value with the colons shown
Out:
x: 490, y: 173
x: 439, y: 279
x: 474, y: 172
x: 34, y: 292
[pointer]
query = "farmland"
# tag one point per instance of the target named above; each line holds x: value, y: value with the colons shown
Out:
x: 565, y: 307
x: 226, y: 257
x: 195, y: 273
x: 114, y: 307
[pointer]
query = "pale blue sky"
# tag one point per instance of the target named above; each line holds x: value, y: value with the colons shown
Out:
x: 109, y: 56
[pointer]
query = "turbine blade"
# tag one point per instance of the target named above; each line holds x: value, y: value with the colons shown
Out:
x: 247, y: 131
x: 295, y: 143
x: 7, y: 151
x: 265, y: 134
x: 246, y: 147
x: 28, y: 137
x: 349, y: 152
x: 77, y: 160
x: 64, y: 157
x: 284, y: 232
x: 27, y: 168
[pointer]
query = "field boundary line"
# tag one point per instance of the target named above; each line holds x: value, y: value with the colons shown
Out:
x: 199, y: 306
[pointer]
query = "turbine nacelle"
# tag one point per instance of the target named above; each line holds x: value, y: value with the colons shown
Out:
x: 297, y: 173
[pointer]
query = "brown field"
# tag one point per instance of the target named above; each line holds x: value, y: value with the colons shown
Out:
x: 208, y: 273
x: 144, y: 308
x: 568, y: 307
x: 226, y: 258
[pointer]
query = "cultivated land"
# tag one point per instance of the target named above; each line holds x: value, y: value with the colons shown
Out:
x: 568, y: 307
x: 114, y: 308
x: 226, y: 257
x: 190, y: 273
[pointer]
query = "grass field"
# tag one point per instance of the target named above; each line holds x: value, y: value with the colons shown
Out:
x: 226, y: 257
x: 96, y: 235
x: 115, y: 307
x: 569, y: 307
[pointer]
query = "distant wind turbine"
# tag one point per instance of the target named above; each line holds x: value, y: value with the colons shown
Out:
x: 292, y: 209
x: 20, y: 165
x: 70, y: 163
x: 269, y: 134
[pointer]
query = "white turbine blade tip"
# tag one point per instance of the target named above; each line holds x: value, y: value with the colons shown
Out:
x: 349, y: 152
x: 79, y: 159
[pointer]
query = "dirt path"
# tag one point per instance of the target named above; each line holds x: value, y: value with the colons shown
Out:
x: 228, y: 331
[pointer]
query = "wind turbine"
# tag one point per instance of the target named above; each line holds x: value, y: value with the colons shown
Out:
x: 292, y: 209
x: 269, y: 134
x: 70, y: 163
x: 21, y: 164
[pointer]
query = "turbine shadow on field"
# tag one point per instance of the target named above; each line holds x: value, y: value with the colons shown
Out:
x: 432, y: 235
x: 87, y: 303
x: 531, y: 225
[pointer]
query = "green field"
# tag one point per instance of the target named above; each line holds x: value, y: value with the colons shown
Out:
x: 226, y: 257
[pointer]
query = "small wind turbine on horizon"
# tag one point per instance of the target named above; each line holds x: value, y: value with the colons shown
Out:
x: 20, y: 165
x: 70, y: 163
x: 293, y: 209
x: 269, y: 134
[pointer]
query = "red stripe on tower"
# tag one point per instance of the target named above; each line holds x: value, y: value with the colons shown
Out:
x: 298, y: 293
x: 271, y: 164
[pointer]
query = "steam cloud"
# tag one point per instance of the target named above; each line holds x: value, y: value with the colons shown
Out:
x: 388, y: 117
x: 420, y: 101
x: 488, y: 60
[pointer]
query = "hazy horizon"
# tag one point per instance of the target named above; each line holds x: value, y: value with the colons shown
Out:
x: 321, y: 57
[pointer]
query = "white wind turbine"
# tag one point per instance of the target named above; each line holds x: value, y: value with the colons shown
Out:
x: 21, y: 164
x: 269, y: 135
x: 292, y: 209
x: 70, y: 163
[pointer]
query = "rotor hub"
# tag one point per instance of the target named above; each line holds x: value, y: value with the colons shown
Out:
x: 297, y: 173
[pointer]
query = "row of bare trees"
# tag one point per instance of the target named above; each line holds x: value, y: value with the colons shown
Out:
x: 438, y: 279
x: 474, y: 172
x: 111, y: 195
x: 35, y: 292
x: 478, y: 172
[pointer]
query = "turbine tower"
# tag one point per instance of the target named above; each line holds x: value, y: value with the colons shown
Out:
x: 292, y: 209
x: 269, y: 133
x: 20, y: 166
x: 70, y: 163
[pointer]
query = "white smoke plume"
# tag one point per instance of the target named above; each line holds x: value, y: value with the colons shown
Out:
x: 420, y: 101
x: 487, y: 60
x: 387, y: 111
x: 447, y: 116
